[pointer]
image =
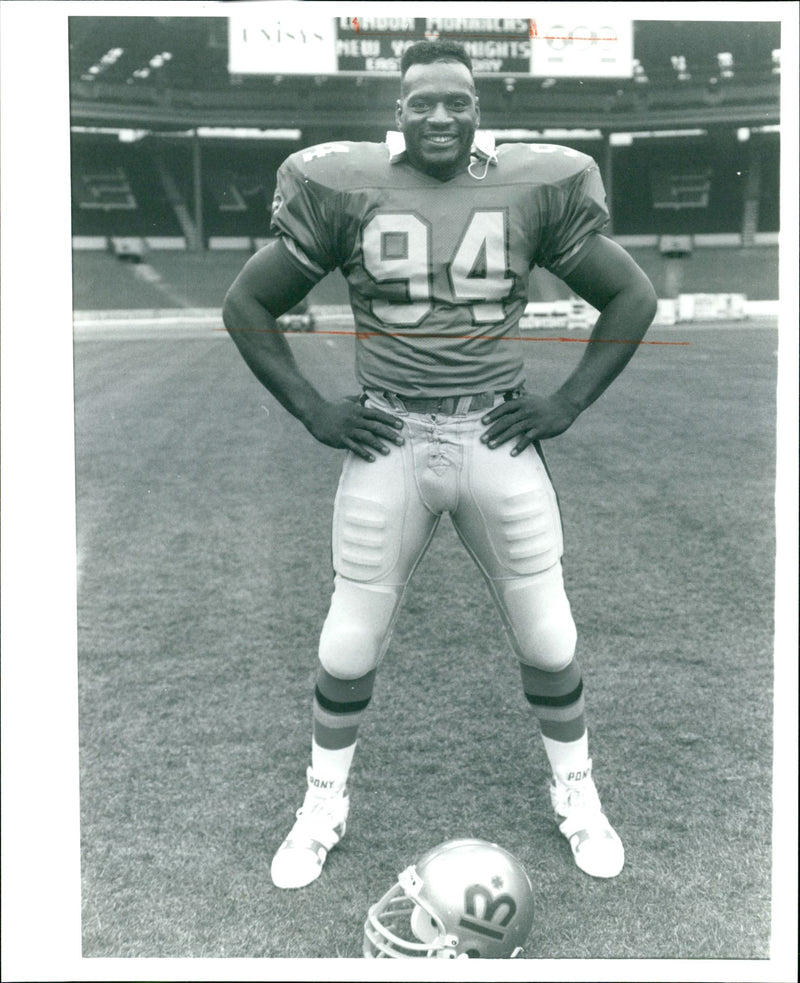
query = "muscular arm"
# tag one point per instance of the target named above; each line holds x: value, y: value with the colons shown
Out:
x: 608, y: 279
x: 268, y: 286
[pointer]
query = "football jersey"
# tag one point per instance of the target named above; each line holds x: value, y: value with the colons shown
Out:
x: 437, y: 271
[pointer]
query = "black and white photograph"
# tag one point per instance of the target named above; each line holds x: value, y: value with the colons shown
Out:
x: 399, y: 491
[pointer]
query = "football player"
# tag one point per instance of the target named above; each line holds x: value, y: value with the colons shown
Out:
x: 436, y: 231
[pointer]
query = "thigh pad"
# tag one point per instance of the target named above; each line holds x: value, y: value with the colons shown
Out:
x: 381, y: 527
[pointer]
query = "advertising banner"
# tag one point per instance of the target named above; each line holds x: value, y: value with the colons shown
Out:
x: 557, y: 47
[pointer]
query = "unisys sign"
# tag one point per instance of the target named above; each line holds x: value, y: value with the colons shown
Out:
x: 290, y: 44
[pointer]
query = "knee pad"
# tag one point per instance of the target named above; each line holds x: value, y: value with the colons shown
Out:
x: 539, y: 619
x: 357, y: 628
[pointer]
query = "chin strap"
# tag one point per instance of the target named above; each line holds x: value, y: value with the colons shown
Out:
x: 483, y: 149
x: 475, y: 163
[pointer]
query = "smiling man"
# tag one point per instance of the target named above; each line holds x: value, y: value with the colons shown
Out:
x: 438, y: 115
x: 436, y: 231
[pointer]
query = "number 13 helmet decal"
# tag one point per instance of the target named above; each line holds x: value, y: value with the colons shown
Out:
x: 463, y: 899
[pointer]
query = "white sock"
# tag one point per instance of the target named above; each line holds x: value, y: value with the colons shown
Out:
x: 568, y: 759
x: 331, y: 766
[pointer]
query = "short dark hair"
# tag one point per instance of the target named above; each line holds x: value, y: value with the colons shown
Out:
x: 426, y: 52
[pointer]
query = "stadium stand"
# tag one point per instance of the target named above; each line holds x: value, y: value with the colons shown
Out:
x: 117, y: 191
x: 698, y: 206
x: 694, y: 186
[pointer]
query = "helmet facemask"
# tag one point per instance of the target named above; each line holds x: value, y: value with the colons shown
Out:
x: 402, y: 926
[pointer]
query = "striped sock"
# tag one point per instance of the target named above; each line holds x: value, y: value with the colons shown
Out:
x: 338, y: 707
x: 557, y: 702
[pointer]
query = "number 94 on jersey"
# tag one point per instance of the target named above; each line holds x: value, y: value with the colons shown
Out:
x: 397, y: 250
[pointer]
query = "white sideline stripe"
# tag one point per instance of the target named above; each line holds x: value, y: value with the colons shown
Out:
x: 186, y: 322
x: 157, y: 243
x: 140, y: 330
x: 211, y: 317
x: 717, y: 239
x: 149, y: 314
x: 236, y: 243
x: 96, y: 243
x: 766, y: 239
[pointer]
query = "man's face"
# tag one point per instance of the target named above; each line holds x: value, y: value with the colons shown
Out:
x: 438, y: 115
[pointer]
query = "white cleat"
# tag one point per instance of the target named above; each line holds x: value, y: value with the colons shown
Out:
x: 321, y: 823
x: 597, y: 849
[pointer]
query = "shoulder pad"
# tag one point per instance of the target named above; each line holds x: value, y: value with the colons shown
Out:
x: 341, y: 164
x: 542, y: 163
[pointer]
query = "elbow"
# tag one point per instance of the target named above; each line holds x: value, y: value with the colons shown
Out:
x: 649, y: 302
x: 236, y: 311
x: 229, y: 309
x: 643, y: 300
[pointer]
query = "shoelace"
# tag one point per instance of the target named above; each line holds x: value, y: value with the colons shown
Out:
x: 317, y: 807
x: 584, y: 800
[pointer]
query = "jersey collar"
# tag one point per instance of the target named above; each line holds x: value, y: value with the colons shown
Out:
x: 483, y: 146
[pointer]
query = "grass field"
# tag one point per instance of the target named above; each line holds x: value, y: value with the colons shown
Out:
x: 203, y: 516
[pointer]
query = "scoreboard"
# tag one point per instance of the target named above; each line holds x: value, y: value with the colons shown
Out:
x: 558, y: 45
x: 495, y: 46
